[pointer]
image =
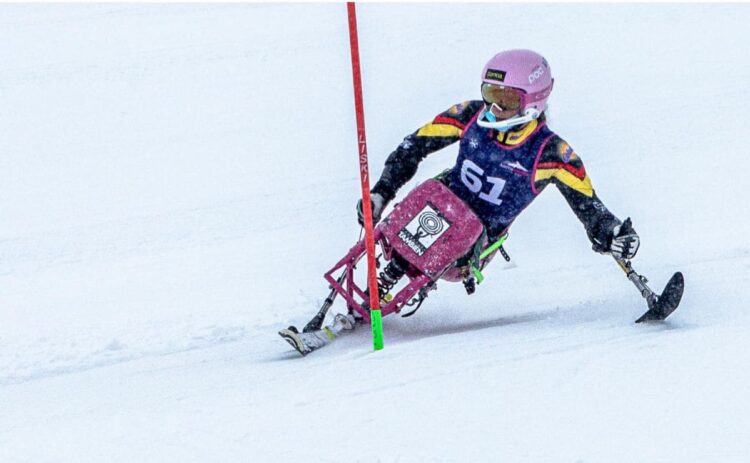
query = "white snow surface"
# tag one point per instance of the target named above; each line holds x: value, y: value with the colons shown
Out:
x: 175, y: 180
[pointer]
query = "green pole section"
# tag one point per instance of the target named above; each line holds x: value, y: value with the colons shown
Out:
x: 377, y: 329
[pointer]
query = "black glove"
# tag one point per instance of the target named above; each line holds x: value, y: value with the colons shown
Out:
x: 378, y: 204
x: 617, y: 239
x: 625, y: 241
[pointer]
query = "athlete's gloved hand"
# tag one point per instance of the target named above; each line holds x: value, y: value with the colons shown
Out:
x: 625, y: 241
x: 378, y: 204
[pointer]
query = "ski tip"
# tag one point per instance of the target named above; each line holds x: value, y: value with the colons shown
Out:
x: 291, y: 337
x: 672, y: 295
x: 667, y: 302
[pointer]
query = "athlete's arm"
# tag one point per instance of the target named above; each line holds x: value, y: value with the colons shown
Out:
x: 560, y: 165
x: 445, y: 129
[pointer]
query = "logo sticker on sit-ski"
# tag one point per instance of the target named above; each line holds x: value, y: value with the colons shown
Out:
x: 423, y: 230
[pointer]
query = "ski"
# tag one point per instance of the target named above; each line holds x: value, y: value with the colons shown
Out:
x: 666, y: 303
x: 312, y: 340
x: 660, y: 306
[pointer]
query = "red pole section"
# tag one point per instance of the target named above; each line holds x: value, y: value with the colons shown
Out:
x: 365, y: 180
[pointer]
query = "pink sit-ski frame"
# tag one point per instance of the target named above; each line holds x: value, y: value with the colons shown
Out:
x: 463, y: 231
x: 350, y: 290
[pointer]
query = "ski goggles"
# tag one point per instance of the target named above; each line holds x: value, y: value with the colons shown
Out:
x: 507, y: 98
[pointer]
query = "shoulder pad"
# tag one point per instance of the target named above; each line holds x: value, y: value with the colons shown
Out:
x: 459, y: 114
x: 558, y: 150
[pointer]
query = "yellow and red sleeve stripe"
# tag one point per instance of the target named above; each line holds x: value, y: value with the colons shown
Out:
x: 574, y: 177
x: 442, y: 126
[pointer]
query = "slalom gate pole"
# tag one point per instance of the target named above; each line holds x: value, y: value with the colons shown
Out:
x: 375, y: 315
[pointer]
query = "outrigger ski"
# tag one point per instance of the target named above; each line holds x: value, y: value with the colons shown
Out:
x: 660, y: 307
x: 311, y: 340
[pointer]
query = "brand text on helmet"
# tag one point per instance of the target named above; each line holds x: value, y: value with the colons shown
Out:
x: 535, y: 74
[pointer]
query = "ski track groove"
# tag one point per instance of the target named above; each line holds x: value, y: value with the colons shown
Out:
x: 602, y: 340
x: 399, y: 336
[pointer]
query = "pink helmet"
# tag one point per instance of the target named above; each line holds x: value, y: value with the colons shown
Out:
x: 525, y: 70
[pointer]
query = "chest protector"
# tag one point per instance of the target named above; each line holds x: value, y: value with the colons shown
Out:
x: 496, y: 180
